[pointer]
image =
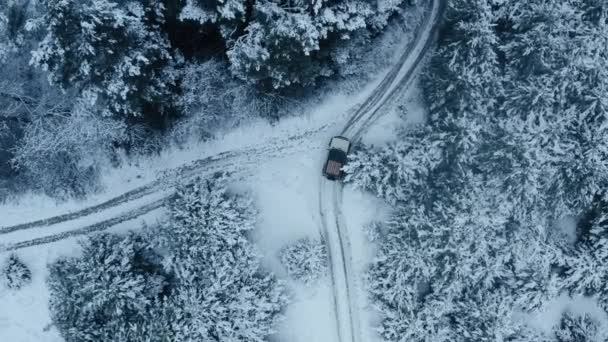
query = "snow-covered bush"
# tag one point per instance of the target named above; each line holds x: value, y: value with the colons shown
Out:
x: 61, y: 154
x: 15, y: 274
x: 213, y: 99
x: 305, y: 260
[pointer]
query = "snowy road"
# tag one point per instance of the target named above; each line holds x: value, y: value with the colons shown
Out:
x: 334, y: 231
x: 151, y: 196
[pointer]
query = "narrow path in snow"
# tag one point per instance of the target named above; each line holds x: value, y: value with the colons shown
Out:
x: 146, y: 198
x: 334, y: 231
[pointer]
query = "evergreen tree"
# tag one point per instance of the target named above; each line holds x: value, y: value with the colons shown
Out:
x: 196, y: 277
x: 518, y: 118
x: 221, y: 288
x: 115, y: 52
x: 230, y: 15
x: 110, y: 292
x: 401, y: 171
x: 279, y: 47
x: 579, y: 328
x: 15, y: 273
x: 289, y: 43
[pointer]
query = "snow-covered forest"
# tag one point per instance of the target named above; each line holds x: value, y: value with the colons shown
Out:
x: 84, y: 82
x: 476, y: 211
x: 500, y: 198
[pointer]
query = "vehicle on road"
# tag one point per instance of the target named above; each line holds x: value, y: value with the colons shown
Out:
x: 336, y: 158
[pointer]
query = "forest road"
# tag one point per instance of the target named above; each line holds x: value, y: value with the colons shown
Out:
x: 333, y: 225
x: 119, y: 209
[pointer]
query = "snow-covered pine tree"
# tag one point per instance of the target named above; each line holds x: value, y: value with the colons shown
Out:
x: 305, y: 260
x: 513, y: 90
x: 462, y: 82
x: 585, y: 267
x: 220, y: 285
x: 278, y: 47
x: 401, y: 171
x: 557, y: 122
x: 109, y: 293
x: 15, y: 274
x: 114, y: 51
x: 583, y: 327
x: 229, y: 15
x: 437, y: 267
x: 297, y: 42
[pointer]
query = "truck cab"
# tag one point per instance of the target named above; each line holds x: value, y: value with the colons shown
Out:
x: 336, y: 158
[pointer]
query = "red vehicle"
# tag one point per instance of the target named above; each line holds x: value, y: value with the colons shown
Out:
x: 336, y: 158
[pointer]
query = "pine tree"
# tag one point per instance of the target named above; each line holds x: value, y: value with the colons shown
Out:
x: 114, y: 51
x: 556, y: 113
x: 290, y: 43
x: 230, y: 15
x: 109, y: 291
x: 580, y: 328
x: 516, y: 112
x: 278, y: 47
x: 401, y: 171
x: 15, y: 273
x: 221, y: 285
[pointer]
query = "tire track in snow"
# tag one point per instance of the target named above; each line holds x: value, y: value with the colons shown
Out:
x: 165, y: 181
x: 325, y: 240
x: 391, y: 91
x: 386, y: 82
x: 97, y: 227
x: 240, y: 166
x: 346, y: 261
x: 134, y: 194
